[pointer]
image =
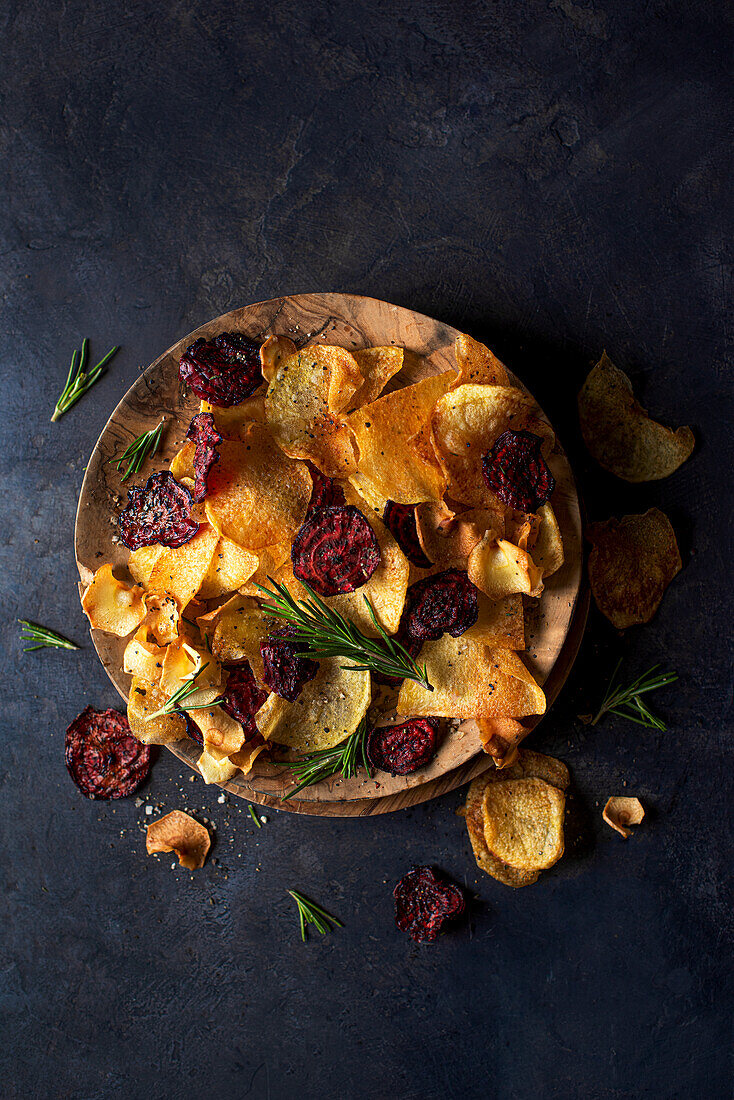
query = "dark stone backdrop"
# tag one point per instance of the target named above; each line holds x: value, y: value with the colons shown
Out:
x: 552, y: 177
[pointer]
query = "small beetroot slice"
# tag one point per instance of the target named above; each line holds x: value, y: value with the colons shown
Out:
x: 400, y: 521
x: 516, y: 471
x: 335, y: 550
x: 243, y: 697
x: 285, y: 672
x: 445, y: 603
x: 325, y: 493
x: 160, y: 512
x: 223, y: 371
x: 202, y: 432
x: 425, y: 902
x: 104, y: 759
x: 193, y: 731
x: 403, y: 749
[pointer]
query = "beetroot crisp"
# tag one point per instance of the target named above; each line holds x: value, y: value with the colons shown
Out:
x: 325, y: 493
x: 285, y: 672
x: 161, y: 512
x: 243, y: 697
x: 445, y: 603
x: 223, y: 371
x: 104, y: 759
x: 203, y: 434
x: 400, y: 521
x: 516, y: 471
x: 335, y: 550
x: 403, y: 749
x: 425, y: 902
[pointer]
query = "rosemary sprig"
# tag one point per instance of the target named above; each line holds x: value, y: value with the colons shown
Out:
x: 626, y: 702
x: 311, y: 913
x: 180, y: 695
x: 77, y: 380
x: 43, y: 637
x: 254, y: 817
x: 343, y: 760
x: 145, y: 446
x: 326, y: 633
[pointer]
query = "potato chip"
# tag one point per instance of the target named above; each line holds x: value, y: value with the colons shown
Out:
x: 500, y: 739
x: 140, y: 562
x: 305, y: 398
x: 215, y: 766
x: 229, y: 569
x: 477, y: 364
x: 523, y: 823
x: 377, y: 366
x: 619, y: 433
x: 143, y: 658
x: 145, y: 698
x: 396, y: 456
x: 234, y: 421
x: 500, y: 623
x: 236, y: 631
x: 447, y: 539
x: 178, y: 832
x: 632, y: 562
x: 471, y: 680
x: 498, y: 568
x: 329, y: 708
x: 180, y: 571
x: 219, y: 729
x: 111, y: 605
x: 182, y: 463
x: 467, y: 422
x: 257, y: 496
x: 273, y: 352
x: 547, y: 548
x: 620, y: 812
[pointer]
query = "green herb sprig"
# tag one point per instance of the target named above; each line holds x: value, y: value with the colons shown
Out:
x: 326, y: 633
x: 77, y: 380
x: 174, y: 704
x: 311, y: 913
x: 626, y: 702
x: 254, y: 817
x: 343, y: 760
x: 43, y: 637
x: 145, y: 446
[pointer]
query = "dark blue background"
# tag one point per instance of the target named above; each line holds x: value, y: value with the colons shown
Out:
x: 552, y: 177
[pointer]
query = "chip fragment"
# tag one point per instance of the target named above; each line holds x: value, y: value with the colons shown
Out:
x: 405, y: 748
x: 178, y: 832
x: 425, y: 902
x: 102, y: 756
x: 620, y: 812
x: 202, y: 432
x: 335, y: 551
x: 284, y: 671
x: 632, y: 562
x: 516, y: 471
x: 400, y: 520
x: 223, y: 371
x: 500, y: 739
x: 619, y: 433
x: 180, y: 571
x: 448, y: 538
x: 444, y: 603
x: 161, y: 512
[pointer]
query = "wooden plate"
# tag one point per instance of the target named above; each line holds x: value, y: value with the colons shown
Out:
x: 351, y: 322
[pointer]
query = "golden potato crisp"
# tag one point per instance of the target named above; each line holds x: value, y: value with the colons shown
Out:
x: 140, y: 562
x: 477, y: 364
x: 498, y: 568
x: 178, y: 832
x: 182, y: 463
x: 180, y: 571
x: 234, y: 422
x: 306, y: 397
x: 145, y: 698
x: 377, y: 366
x: 143, y: 658
x: 619, y: 433
x: 111, y: 605
x: 471, y: 680
x: 236, y: 630
x: 620, y: 812
x: 467, y: 422
x: 632, y: 562
x: 523, y: 823
x: 229, y: 569
x: 257, y: 496
x: 447, y: 539
x: 396, y: 456
x: 500, y: 623
x: 219, y: 730
x: 501, y: 738
x: 215, y: 766
x: 547, y: 549
x: 329, y: 708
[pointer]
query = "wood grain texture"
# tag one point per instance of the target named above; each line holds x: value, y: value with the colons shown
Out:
x: 555, y: 624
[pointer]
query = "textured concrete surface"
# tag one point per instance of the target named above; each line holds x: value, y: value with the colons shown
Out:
x: 551, y: 176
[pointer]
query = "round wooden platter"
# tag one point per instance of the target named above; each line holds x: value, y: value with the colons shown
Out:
x: 554, y: 625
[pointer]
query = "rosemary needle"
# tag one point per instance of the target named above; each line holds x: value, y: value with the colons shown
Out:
x: 254, y: 817
x: 311, y: 913
x: 145, y: 446
x: 78, y: 381
x: 43, y: 637
x: 627, y: 702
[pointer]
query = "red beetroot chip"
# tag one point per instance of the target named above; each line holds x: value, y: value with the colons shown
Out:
x: 425, y: 902
x: 104, y: 759
x: 193, y: 731
x: 403, y: 749
x: 335, y: 550
x: 202, y: 432
x: 223, y: 371
x: 285, y: 672
x: 400, y: 521
x: 243, y: 697
x: 445, y: 603
x: 413, y: 646
x: 516, y: 471
x: 325, y: 493
x: 160, y: 512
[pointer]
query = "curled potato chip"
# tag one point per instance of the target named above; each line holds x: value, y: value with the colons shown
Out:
x: 471, y: 680
x: 143, y: 658
x: 447, y: 539
x: 523, y: 822
x: 111, y: 605
x: 498, y: 568
x: 236, y: 631
x: 500, y: 739
x: 145, y: 698
x: 178, y: 832
x: 620, y: 812
x: 467, y: 422
x: 184, y: 661
x: 308, y: 392
x: 163, y: 617
x: 219, y: 730
x: 215, y: 766
x: 231, y: 567
x: 140, y: 562
x: 329, y: 708
x: 257, y: 496
x: 377, y: 366
x: 396, y: 456
x: 180, y: 571
x: 182, y: 463
x: 619, y: 433
x: 547, y: 547
x: 632, y: 562
x: 477, y: 364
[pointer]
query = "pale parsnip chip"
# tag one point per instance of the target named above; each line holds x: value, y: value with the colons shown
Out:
x: 245, y: 757
x: 547, y: 549
x: 477, y: 364
x: 229, y: 569
x: 523, y: 822
x: 182, y: 463
x: 273, y: 352
x: 219, y: 730
x: 377, y: 366
x: 180, y: 571
x: 447, y: 539
x: 163, y: 617
x: 620, y: 812
x: 499, y: 568
x: 215, y: 766
x: 143, y: 658
x: 178, y: 832
x: 184, y: 661
x: 140, y: 562
x: 619, y: 433
x: 144, y: 699
x: 236, y: 631
x: 111, y: 605
x: 329, y: 708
